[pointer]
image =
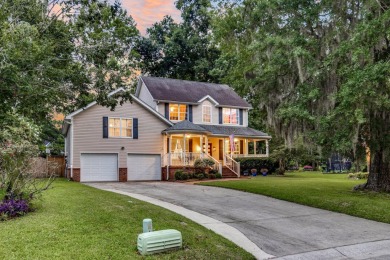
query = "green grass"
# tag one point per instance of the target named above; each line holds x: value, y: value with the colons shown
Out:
x: 326, y: 191
x: 74, y: 221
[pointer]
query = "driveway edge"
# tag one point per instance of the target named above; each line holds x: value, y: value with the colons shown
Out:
x: 228, y: 232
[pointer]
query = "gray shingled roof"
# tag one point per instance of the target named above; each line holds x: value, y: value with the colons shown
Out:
x: 224, y: 130
x: 186, y: 126
x: 221, y: 130
x: 191, y: 91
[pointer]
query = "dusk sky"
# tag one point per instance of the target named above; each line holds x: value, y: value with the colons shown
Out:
x: 147, y: 12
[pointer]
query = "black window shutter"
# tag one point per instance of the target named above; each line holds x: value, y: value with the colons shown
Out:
x: 186, y: 116
x: 241, y: 117
x: 220, y: 115
x: 190, y: 113
x: 105, y: 127
x: 167, y: 111
x: 135, y: 128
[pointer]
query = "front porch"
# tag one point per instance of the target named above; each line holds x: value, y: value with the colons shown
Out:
x: 183, y: 149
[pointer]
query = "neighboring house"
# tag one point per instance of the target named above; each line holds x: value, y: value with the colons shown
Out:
x: 169, y: 124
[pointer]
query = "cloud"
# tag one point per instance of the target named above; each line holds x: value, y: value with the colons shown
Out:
x: 148, y: 12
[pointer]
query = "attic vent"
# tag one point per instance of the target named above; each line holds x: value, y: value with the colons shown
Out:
x: 159, y: 241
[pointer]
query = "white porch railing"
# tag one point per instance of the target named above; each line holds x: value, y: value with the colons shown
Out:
x: 183, y: 159
x: 232, y: 165
x: 217, y: 165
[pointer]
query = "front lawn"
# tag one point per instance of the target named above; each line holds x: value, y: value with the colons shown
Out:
x: 74, y: 221
x: 326, y: 191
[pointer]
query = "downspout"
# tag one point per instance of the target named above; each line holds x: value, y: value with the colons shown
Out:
x: 169, y: 155
x: 66, y: 159
x: 71, y: 149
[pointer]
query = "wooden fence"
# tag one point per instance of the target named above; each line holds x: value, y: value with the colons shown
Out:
x: 45, y: 167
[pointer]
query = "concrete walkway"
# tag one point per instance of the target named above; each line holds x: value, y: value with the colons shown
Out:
x: 279, y: 229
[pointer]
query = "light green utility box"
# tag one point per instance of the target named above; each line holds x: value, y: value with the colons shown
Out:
x: 159, y: 241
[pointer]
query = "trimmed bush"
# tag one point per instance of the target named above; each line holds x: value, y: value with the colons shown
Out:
x: 184, y: 176
x: 201, y: 165
x: 218, y: 176
x: 212, y: 171
x: 200, y: 176
x: 179, y: 175
x: 257, y: 163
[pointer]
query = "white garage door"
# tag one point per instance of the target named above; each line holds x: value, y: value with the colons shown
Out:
x: 143, y: 167
x: 99, y: 167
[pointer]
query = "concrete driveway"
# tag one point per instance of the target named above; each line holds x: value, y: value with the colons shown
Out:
x: 282, y: 229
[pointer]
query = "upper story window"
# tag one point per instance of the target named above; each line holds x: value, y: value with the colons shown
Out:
x: 230, y: 116
x: 206, y: 114
x: 120, y: 127
x: 177, y: 112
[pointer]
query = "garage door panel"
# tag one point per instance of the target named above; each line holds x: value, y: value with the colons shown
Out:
x: 98, y: 167
x: 143, y: 167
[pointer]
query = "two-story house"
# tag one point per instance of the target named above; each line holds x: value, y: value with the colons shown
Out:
x: 169, y: 124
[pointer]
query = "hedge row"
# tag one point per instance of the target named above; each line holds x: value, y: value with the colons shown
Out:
x: 258, y: 164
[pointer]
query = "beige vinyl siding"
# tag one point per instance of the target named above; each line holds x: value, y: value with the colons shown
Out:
x: 161, y: 108
x: 88, y: 133
x: 197, y: 113
x: 146, y: 97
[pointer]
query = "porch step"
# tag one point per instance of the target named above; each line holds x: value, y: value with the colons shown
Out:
x: 227, y: 173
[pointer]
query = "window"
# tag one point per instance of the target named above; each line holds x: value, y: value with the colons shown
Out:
x: 120, y: 127
x: 206, y: 114
x: 177, y: 112
x: 230, y: 116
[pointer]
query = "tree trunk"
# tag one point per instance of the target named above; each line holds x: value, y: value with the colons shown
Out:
x: 282, y: 166
x: 379, y: 176
x: 379, y: 136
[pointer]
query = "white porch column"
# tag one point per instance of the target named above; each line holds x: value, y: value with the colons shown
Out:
x: 254, y: 146
x: 184, y: 148
x: 201, y: 145
x: 169, y: 150
x: 266, y: 148
x: 246, y: 146
x: 206, y: 145
x: 224, y: 151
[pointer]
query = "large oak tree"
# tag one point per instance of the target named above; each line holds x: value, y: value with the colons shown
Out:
x: 318, y: 69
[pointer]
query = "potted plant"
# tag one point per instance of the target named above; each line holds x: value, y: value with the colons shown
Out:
x: 264, y: 171
x: 254, y: 172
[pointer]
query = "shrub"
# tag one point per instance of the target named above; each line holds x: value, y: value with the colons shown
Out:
x: 362, y: 175
x: 212, y: 171
x: 208, y: 162
x: 358, y: 175
x: 201, y: 165
x: 184, y: 177
x: 13, y: 208
x: 17, y: 150
x: 179, y: 175
x: 218, y: 176
x: 200, y: 176
x: 258, y: 164
x: 212, y: 176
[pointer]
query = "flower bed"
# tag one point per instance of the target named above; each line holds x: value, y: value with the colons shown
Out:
x: 13, y: 208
